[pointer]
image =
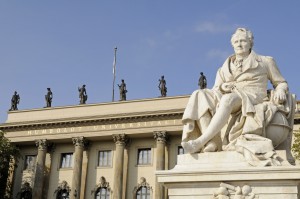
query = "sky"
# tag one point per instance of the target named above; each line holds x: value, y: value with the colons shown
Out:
x: 65, y: 44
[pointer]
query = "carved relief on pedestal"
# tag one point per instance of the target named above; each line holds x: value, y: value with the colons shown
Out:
x: 227, y: 191
x: 161, y: 136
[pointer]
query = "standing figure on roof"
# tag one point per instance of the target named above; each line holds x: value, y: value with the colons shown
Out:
x: 123, y: 90
x: 15, y: 100
x: 162, y: 86
x: 82, y: 94
x: 48, y: 97
x: 202, y: 83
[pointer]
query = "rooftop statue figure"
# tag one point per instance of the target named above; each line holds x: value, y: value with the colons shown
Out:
x: 162, y: 86
x: 48, y: 97
x: 123, y: 90
x: 15, y: 100
x: 239, y: 100
x: 82, y: 94
x: 202, y: 83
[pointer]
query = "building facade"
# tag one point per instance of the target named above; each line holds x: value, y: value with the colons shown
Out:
x: 93, y: 151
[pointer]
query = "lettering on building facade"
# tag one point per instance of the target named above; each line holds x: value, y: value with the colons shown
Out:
x: 104, y: 127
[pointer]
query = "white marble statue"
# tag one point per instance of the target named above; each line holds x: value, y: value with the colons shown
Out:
x: 240, y: 103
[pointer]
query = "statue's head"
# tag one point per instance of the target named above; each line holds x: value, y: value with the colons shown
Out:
x: 201, y: 73
x: 162, y: 77
x: 83, y: 85
x: 242, y: 41
x: 122, y: 80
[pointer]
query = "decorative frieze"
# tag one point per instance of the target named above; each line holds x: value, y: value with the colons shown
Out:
x: 161, y: 136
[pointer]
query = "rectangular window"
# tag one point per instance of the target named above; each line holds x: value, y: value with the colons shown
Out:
x: 180, y: 150
x: 66, y: 160
x: 104, y: 158
x: 144, y: 156
x: 30, y: 162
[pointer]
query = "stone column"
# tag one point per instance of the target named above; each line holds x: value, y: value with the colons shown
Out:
x: 80, y: 143
x: 161, y: 139
x: 120, y: 141
x: 47, y: 169
x: 39, y: 169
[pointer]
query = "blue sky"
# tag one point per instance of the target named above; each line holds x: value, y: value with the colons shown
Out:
x: 64, y: 44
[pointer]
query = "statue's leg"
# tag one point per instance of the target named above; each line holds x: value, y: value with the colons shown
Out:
x: 229, y: 103
x: 203, y: 123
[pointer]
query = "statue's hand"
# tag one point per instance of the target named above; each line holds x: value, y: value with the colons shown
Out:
x: 227, y: 87
x: 279, y: 96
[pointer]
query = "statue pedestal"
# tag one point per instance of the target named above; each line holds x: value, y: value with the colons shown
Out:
x: 199, y: 176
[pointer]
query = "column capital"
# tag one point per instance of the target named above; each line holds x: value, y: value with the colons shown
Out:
x: 42, y: 144
x: 160, y: 136
x: 80, y: 141
x: 121, y: 139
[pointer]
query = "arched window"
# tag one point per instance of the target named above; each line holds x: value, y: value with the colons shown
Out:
x: 62, y: 194
x: 102, y: 190
x: 143, y: 193
x: 26, y: 191
x: 102, y: 193
x: 143, y: 190
x: 63, y: 191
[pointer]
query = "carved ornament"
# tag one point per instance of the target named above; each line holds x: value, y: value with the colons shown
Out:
x: 227, y: 191
x: 143, y: 183
x: 120, y: 139
x: 41, y: 144
x: 161, y: 136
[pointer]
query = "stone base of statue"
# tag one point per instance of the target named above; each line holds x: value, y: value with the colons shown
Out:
x: 226, y: 175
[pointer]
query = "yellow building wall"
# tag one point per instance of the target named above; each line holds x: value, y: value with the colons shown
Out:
x: 94, y: 172
x: 22, y: 175
x: 59, y: 174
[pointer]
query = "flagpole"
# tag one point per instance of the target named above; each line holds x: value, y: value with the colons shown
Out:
x: 114, y: 74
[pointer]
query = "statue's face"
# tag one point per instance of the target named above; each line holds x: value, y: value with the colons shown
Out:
x: 241, y: 45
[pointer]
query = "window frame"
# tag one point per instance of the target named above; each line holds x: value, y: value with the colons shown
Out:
x: 109, y: 160
x: 146, y: 195
x: 148, y: 161
x: 179, y: 147
x: 107, y: 193
x: 25, y: 166
x: 70, y: 162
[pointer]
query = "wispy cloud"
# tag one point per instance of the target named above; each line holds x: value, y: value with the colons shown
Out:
x: 218, y: 54
x: 152, y: 43
x: 213, y: 27
x: 172, y: 35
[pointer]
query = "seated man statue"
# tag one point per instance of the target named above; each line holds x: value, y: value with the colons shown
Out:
x: 240, y: 104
